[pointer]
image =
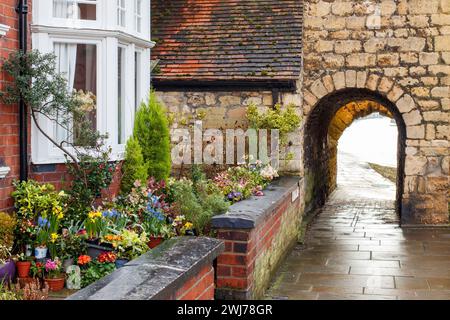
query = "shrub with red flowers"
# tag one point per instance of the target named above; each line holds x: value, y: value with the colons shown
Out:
x: 84, y: 260
x: 107, y: 257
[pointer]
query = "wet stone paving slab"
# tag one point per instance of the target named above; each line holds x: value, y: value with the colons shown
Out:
x: 356, y: 250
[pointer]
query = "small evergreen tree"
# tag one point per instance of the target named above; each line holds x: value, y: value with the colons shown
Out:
x: 134, y: 167
x: 151, y: 129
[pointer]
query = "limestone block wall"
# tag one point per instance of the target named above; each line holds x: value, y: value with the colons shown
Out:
x: 398, y: 50
x: 226, y: 109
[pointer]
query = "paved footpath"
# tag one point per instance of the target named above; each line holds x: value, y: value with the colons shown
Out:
x: 355, y: 248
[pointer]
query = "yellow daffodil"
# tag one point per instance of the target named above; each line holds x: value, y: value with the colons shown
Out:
x: 53, y: 237
x: 93, y: 215
x: 188, y: 226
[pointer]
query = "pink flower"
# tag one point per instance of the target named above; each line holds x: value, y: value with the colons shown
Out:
x: 51, y: 265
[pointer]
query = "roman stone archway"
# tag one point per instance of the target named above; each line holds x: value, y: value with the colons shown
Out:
x: 327, y: 122
x: 332, y: 102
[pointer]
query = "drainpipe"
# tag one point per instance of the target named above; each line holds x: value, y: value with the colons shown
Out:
x: 22, y: 11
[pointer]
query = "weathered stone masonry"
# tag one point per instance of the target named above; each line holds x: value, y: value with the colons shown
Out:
x: 401, y: 57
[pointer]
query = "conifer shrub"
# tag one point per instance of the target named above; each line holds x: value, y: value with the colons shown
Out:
x: 134, y: 167
x: 151, y: 129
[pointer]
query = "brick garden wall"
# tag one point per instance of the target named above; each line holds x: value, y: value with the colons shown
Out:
x: 252, y: 255
x: 199, y: 287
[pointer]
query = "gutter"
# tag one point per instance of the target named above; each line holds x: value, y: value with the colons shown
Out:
x: 284, y: 85
x: 22, y: 11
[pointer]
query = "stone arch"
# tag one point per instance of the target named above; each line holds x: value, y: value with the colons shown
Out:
x: 325, y: 99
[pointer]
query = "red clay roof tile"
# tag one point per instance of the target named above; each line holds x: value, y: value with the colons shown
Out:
x: 227, y: 39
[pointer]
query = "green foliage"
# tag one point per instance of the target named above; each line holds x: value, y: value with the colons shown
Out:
x: 7, y: 227
x: 33, y: 199
x: 151, y: 128
x: 95, y: 272
x: 71, y: 246
x: 94, y: 174
x: 8, y: 295
x: 197, y: 200
x: 284, y: 120
x: 134, y: 168
x: 44, y: 91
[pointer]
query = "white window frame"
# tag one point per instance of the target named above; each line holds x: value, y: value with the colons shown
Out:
x: 121, y: 13
x: 138, y: 15
x: 47, y: 30
x: 75, y: 4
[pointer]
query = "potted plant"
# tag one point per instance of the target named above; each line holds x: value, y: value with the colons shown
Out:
x: 42, y: 238
x: 95, y: 226
x: 23, y: 265
x: 70, y: 247
x: 128, y: 245
x: 55, y: 278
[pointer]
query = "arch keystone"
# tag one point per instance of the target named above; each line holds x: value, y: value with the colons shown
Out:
x: 350, y: 78
x: 361, y: 78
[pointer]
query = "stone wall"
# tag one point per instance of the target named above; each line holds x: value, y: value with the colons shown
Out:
x: 258, y: 233
x: 226, y: 109
x: 178, y: 269
x: 398, y: 51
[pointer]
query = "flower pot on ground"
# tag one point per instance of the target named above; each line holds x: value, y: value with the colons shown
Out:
x: 23, y: 268
x: 55, y: 278
x: 95, y: 250
x: 120, y: 263
x: 56, y: 284
x: 28, y: 250
x: 154, y: 242
x: 40, y: 252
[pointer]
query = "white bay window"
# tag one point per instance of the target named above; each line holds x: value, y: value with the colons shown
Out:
x: 97, y: 57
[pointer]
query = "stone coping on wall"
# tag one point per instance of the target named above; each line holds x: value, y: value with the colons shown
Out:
x: 250, y: 213
x: 158, y: 274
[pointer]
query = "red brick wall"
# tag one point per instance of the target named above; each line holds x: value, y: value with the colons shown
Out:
x: 200, y: 287
x: 9, y: 114
x: 236, y: 265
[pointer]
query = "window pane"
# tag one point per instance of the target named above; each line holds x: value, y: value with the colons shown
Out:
x: 78, y: 63
x: 87, y: 11
x: 121, y: 13
x: 75, y: 9
x: 120, y: 96
x: 137, y: 79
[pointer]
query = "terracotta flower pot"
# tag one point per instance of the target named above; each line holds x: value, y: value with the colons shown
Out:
x: 56, y: 284
x: 154, y: 242
x: 23, y: 268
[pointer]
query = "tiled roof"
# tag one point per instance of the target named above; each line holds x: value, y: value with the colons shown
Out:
x: 227, y: 39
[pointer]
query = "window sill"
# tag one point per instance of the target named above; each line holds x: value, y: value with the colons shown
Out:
x: 117, y: 155
x: 3, y: 29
